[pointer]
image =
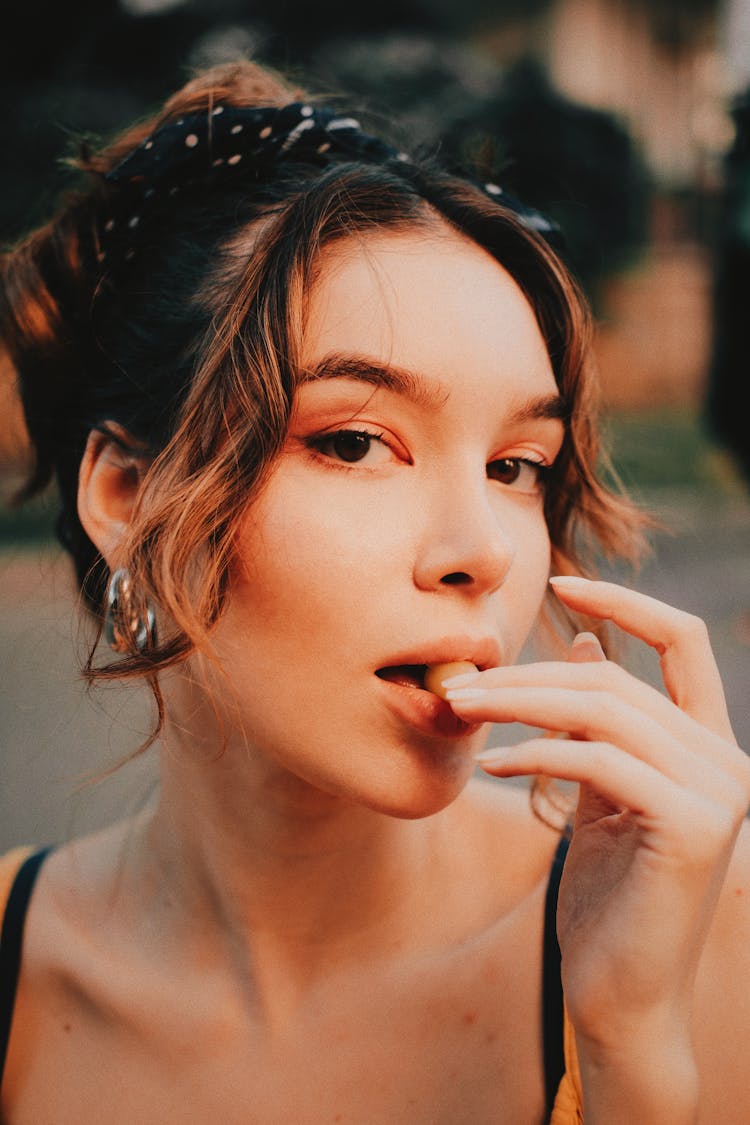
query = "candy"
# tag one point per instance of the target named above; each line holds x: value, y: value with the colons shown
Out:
x: 436, y: 674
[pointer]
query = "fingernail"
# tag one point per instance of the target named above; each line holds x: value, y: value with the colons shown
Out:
x: 461, y: 679
x: 458, y: 695
x: 568, y: 580
x: 585, y: 639
x: 585, y: 649
x: 486, y: 757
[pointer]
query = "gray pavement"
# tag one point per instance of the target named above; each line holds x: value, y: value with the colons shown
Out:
x: 53, y: 734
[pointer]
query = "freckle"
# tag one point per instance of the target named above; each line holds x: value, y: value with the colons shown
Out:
x: 738, y: 892
x: 470, y: 1017
x: 490, y: 1037
x: 66, y: 1027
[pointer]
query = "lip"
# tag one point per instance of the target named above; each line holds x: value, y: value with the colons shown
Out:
x: 482, y: 651
x: 425, y: 712
x: 422, y: 710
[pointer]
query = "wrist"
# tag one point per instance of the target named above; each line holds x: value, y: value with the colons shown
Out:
x: 646, y: 1078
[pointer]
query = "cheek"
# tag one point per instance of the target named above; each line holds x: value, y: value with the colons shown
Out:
x: 306, y: 563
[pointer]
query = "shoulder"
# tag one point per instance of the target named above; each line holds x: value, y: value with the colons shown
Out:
x: 71, y: 922
x: 722, y: 1014
x: 497, y: 823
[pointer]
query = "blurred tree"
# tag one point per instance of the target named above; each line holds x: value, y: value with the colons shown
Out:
x: 576, y: 164
x: 727, y: 392
x: 91, y: 66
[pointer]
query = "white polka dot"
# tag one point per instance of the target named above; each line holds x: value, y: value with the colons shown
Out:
x: 235, y: 159
x: 174, y: 190
x: 149, y: 144
x: 149, y: 192
x: 306, y: 111
x: 403, y: 156
x: 219, y: 160
x: 129, y: 254
x: 324, y: 147
x: 265, y: 132
x: 180, y: 121
x: 493, y: 189
x: 133, y: 223
x: 236, y: 129
x: 215, y: 112
x: 109, y: 225
x: 191, y: 140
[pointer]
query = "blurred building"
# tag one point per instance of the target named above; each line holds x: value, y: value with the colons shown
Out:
x: 665, y: 68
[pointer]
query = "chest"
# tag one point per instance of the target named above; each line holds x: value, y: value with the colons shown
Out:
x: 454, y: 1041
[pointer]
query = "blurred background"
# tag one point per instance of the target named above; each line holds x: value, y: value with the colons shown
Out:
x: 628, y: 121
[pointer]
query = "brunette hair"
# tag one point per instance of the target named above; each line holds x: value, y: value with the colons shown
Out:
x: 192, y: 348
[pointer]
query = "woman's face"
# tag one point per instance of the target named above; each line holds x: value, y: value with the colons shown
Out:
x: 403, y: 524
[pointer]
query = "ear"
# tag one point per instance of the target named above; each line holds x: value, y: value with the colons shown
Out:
x: 111, y: 474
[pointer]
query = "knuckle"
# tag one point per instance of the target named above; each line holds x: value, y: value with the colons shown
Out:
x: 692, y: 627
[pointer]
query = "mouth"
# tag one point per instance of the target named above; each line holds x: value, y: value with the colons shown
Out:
x: 405, y: 675
x: 423, y: 707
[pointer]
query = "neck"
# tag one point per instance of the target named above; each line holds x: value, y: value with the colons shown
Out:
x: 293, y: 882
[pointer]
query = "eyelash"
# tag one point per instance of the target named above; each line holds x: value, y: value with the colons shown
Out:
x: 317, y: 444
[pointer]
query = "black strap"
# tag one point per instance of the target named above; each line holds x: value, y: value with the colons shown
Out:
x: 552, y: 993
x: 11, y: 942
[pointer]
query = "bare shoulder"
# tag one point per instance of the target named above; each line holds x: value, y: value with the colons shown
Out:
x: 503, y: 828
x: 72, y: 917
x: 722, y: 1015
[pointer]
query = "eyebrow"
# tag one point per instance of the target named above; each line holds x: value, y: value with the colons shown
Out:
x: 417, y: 389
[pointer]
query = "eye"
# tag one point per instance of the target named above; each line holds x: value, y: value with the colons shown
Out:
x: 520, y: 473
x: 352, y: 446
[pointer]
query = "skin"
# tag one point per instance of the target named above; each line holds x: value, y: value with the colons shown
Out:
x: 334, y: 923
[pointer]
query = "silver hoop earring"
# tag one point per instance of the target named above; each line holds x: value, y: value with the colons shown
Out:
x: 127, y: 625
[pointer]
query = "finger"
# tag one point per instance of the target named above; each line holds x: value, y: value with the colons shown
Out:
x: 623, y: 781
x: 697, y: 825
x: 607, y: 678
x: 585, y: 649
x: 601, y: 717
x: 688, y: 666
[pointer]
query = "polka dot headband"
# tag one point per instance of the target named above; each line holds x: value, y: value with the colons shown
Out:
x: 229, y: 139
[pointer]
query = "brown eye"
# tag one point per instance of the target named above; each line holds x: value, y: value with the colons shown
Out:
x: 507, y: 470
x: 524, y: 474
x: 351, y: 446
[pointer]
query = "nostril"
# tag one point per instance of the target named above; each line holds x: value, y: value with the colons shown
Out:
x: 457, y: 578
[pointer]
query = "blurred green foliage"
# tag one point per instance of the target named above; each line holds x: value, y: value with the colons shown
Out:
x: 668, y: 449
x: 33, y: 522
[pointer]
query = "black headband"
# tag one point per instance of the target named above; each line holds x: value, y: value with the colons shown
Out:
x: 227, y: 139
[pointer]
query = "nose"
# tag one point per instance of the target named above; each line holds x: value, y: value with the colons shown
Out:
x: 464, y: 545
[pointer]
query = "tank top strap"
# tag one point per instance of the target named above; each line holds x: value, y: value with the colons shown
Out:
x: 553, y: 1006
x: 18, y: 872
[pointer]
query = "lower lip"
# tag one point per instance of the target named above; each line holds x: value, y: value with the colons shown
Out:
x: 426, y: 712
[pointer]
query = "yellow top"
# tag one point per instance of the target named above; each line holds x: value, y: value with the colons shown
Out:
x: 9, y: 865
x: 568, y: 1108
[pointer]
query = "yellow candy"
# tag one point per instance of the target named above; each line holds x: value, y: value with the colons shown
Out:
x: 437, y: 673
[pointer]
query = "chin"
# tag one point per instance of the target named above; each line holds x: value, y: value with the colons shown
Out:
x: 422, y: 790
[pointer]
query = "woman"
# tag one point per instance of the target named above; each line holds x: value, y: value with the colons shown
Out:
x: 322, y: 420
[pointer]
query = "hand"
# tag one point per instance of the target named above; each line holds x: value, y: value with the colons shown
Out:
x: 664, y: 790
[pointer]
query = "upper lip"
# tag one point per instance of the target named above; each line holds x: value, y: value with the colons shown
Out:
x: 482, y: 651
